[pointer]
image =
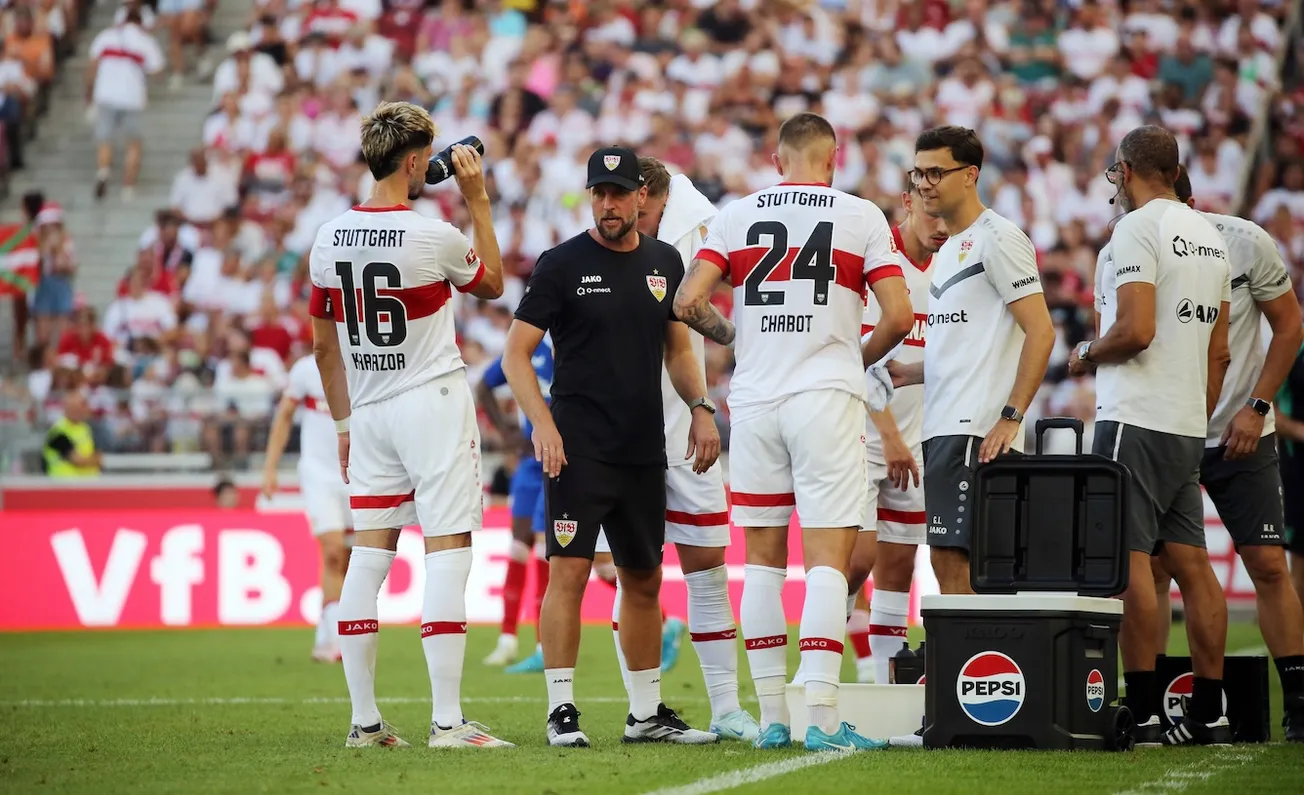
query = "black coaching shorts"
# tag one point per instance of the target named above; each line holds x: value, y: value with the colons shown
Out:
x: 629, y: 501
x: 1247, y: 494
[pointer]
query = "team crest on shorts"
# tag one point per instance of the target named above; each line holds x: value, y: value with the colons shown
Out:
x: 611, y: 161
x: 657, y: 284
x: 564, y: 530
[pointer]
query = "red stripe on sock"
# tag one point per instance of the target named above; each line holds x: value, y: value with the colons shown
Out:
x: 704, y: 637
x: 513, y: 592
x: 615, y: 626
x: 904, y: 517
x: 443, y: 628
x: 380, y: 501
x: 768, y: 642
x: 363, y: 627
x: 698, y: 519
x: 821, y: 644
x: 860, y: 644
x: 884, y: 629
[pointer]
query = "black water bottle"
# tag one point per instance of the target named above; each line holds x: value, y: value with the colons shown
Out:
x: 441, y: 165
x: 905, y: 667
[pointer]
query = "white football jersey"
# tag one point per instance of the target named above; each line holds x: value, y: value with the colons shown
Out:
x: 907, y: 404
x: 318, y: 447
x: 974, y: 342
x: 1257, y: 275
x: 1169, y: 245
x: 398, y: 270
x: 683, y: 225
x: 800, y: 258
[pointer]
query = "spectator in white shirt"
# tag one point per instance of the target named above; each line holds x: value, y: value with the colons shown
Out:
x: 965, y: 97
x: 1250, y: 16
x: 122, y: 58
x: 246, y: 69
x: 563, y: 124
x: 199, y: 196
x: 141, y: 313
x: 1089, y: 44
x: 977, y: 25
x: 244, y: 399
x: 1213, y: 185
x: 16, y: 90
x: 1131, y: 91
x: 1290, y: 195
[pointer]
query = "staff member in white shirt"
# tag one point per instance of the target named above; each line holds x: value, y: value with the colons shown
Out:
x: 1161, y: 357
x: 122, y: 58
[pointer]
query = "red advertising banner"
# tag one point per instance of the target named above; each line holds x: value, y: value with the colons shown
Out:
x: 205, y: 567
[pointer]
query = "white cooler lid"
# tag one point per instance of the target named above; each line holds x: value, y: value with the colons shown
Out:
x: 1026, y: 601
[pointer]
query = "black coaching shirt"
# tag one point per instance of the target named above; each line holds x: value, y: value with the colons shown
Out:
x: 607, y: 313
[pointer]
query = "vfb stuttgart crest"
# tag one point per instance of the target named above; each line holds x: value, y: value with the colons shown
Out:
x: 611, y: 161
x: 657, y: 284
x: 564, y: 530
x: 964, y: 249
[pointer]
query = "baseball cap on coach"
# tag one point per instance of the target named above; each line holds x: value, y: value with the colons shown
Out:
x: 615, y: 165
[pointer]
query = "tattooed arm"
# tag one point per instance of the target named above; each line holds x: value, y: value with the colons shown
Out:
x: 693, y: 303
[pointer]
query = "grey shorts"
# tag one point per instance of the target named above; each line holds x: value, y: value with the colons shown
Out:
x: 1247, y: 494
x: 949, y: 466
x: 1164, y: 501
x: 116, y: 124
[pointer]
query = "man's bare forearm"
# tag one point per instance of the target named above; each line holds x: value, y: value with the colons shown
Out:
x: 279, y: 434
x: 525, y: 388
x: 1032, y: 370
x: 703, y: 317
x: 334, y: 381
x: 885, y: 423
x: 486, y: 247
x: 1278, y: 362
x: 493, y: 409
x: 686, y: 375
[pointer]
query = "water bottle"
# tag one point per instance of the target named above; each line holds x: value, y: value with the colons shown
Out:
x: 441, y: 165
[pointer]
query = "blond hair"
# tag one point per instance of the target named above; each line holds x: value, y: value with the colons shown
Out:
x: 655, y: 176
x: 392, y: 131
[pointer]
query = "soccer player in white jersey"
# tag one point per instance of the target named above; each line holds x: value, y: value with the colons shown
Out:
x: 1160, y: 359
x: 895, y: 517
x: 325, y: 495
x: 802, y: 254
x: 396, y: 384
x: 1239, y: 470
x: 989, y: 339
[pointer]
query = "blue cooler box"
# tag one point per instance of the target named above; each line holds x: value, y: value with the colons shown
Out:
x: 1028, y: 670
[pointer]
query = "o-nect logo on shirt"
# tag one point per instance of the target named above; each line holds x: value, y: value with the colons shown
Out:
x: 943, y: 318
x: 1188, y: 310
x: 1183, y: 248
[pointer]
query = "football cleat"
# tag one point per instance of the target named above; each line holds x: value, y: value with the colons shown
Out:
x: 530, y: 665
x: 1149, y: 734
x: 326, y: 653
x: 382, y: 734
x: 469, y: 735
x: 564, y: 728
x: 504, y: 653
x: 1192, y: 732
x: 776, y: 735
x: 737, y: 725
x: 915, y: 740
x: 672, y: 637
x: 844, y: 740
x: 664, y: 727
x: 1293, y: 718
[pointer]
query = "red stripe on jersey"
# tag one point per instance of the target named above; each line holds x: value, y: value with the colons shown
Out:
x: 912, y: 341
x: 395, y: 208
x: 115, y: 52
x: 380, y: 501
x: 715, y: 258
x: 443, y: 628
x: 706, y: 637
x: 475, y: 280
x: 418, y: 302
x: 883, y: 272
x: 764, y: 500
x: 904, y: 517
x: 901, y: 247
x: 319, y: 303
x: 698, y: 519
x: 848, y: 267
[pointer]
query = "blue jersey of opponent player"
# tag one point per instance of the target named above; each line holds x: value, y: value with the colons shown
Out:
x: 527, y: 483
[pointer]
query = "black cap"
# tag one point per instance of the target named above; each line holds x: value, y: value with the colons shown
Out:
x: 615, y: 165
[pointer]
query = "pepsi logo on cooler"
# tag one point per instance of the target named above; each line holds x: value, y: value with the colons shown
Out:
x: 1178, y: 690
x: 990, y: 688
x: 1095, y: 690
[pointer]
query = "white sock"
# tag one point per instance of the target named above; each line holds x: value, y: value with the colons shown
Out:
x: 822, y: 626
x: 443, y: 631
x: 328, y: 629
x: 615, y: 637
x: 540, y: 548
x: 715, y: 639
x: 644, y: 693
x: 765, y: 634
x: 888, y: 613
x: 851, y: 604
x: 518, y: 552
x: 561, y: 687
x: 358, y: 627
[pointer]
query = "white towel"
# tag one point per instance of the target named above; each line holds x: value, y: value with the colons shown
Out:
x: 686, y: 210
x: 878, y: 380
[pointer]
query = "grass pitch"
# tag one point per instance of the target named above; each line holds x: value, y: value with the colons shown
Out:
x: 241, y: 711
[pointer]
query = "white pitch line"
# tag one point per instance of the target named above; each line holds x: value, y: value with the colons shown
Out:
x: 1179, y: 778
x: 751, y: 775
x: 239, y: 701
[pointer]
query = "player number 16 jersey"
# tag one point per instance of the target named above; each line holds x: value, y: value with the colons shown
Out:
x: 802, y: 257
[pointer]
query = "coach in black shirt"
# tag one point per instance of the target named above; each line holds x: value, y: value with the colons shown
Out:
x: 605, y: 295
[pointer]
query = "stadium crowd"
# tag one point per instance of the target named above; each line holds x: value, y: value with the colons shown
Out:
x: 194, y: 349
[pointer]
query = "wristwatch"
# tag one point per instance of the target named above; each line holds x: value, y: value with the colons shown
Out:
x: 1011, y: 413
x: 1261, y: 407
x: 702, y: 402
x: 1084, y: 351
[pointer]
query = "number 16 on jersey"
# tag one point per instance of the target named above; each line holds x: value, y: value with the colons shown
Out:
x: 384, y: 317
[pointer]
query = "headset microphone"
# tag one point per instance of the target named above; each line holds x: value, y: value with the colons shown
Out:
x: 1111, y: 200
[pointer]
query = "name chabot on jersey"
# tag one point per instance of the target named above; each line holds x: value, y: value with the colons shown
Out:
x: 785, y: 323
x: 943, y: 318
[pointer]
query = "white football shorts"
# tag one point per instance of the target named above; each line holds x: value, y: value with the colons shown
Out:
x: 897, y: 516
x: 807, y: 454
x: 326, y: 501
x: 415, y: 459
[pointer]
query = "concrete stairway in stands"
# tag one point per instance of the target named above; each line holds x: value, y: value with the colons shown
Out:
x: 61, y: 163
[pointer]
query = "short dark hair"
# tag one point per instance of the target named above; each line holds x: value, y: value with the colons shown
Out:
x: 1182, y: 185
x: 655, y: 176
x: 962, y: 141
x: 33, y: 201
x: 1151, y: 151
x: 803, y: 128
